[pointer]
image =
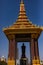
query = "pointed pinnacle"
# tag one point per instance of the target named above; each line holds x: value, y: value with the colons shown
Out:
x: 21, y: 1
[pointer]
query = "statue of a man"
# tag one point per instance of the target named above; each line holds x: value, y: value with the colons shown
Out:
x: 23, y: 50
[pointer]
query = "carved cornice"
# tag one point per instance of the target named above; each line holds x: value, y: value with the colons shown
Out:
x: 22, y: 31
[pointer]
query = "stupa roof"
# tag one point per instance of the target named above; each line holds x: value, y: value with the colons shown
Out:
x: 22, y: 23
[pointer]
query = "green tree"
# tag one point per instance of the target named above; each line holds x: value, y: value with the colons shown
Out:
x: 3, y: 63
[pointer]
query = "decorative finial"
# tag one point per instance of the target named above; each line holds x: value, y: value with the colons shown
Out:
x: 21, y: 1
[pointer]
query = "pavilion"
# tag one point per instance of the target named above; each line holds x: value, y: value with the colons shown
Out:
x: 23, y: 30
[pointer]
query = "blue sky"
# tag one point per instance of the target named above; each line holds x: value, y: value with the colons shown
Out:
x: 9, y: 10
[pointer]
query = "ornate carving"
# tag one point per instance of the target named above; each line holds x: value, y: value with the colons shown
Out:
x: 35, y: 36
x: 11, y: 36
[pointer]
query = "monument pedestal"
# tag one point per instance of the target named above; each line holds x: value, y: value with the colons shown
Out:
x: 23, y: 61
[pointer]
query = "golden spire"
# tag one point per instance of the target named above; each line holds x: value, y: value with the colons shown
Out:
x: 22, y: 8
x: 21, y: 1
x: 22, y: 13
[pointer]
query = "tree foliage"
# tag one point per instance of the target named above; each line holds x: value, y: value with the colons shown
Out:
x: 3, y: 63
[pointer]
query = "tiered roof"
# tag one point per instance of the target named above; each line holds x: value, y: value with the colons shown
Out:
x: 22, y: 24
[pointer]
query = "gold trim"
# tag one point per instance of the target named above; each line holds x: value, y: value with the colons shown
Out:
x: 11, y: 62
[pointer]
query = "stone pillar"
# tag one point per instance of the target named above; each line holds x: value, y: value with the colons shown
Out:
x: 34, y: 51
x: 37, y: 59
x: 12, y: 50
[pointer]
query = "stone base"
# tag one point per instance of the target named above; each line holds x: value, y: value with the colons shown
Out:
x: 23, y: 61
x: 11, y: 62
x: 36, y: 62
